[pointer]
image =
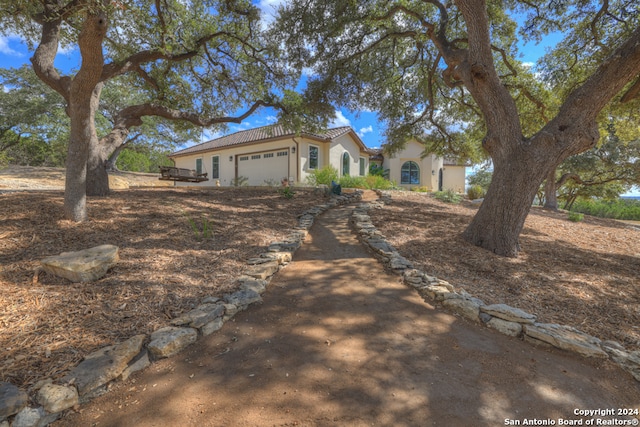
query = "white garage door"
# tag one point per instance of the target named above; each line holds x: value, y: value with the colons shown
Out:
x: 262, y: 168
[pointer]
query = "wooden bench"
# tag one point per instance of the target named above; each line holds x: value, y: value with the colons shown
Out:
x: 170, y: 173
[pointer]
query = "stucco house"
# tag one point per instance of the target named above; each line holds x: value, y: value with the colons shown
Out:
x: 409, y: 169
x: 269, y: 154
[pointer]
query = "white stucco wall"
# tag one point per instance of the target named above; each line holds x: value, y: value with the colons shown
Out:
x: 454, y: 178
x: 429, y: 166
x: 344, y: 144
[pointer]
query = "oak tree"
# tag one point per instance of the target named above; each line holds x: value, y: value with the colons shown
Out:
x: 205, y: 62
x: 430, y: 66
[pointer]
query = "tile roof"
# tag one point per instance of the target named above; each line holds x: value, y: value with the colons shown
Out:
x: 259, y: 134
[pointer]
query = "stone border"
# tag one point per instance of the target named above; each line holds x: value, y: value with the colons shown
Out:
x: 501, y: 317
x: 95, y: 375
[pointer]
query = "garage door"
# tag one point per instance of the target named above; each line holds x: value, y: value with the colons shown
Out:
x: 264, y: 168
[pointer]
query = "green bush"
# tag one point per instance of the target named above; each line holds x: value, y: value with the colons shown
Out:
x: 286, y: 192
x: 377, y: 182
x: 241, y: 181
x: 575, y: 216
x: 448, y: 196
x: 475, y: 192
x: 617, y: 209
x: 420, y: 189
x: 323, y: 176
x: 349, y: 181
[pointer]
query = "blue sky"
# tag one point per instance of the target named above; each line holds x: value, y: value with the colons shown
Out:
x: 14, y: 53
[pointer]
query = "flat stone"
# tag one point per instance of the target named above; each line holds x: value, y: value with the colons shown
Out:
x: 230, y: 310
x: 509, y: 313
x: 243, y: 298
x: 566, y: 338
x: 435, y: 292
x: 12, y: 399
x: 380, y: 246
x: 256, y: 285
x: 82, y: 266
x: 466, y: 307
x: 140, y: 362
x: 262, y: 271
x: 629, y: 361
x: 200, y: 315
x: 212, y: 326
x: 170, y: 340
x: 28, y: 417
x: 506, y: 327
x: 281, y: 257
x: 257, y: 261
x: 104, y: 365
x: 398, y: 262
x: 56, y: 398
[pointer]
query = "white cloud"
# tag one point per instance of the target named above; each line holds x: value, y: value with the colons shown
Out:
x: 362, y: 131
x: 271, y: 119
x: 340, y: 120
x: 5, y: 47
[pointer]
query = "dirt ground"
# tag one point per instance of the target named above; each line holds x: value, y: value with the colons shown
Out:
x: 582, y: 274
x: 340, y: 342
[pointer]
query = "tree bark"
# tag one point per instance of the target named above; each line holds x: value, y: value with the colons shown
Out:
x: 83, y: 103
x: 550, y: 192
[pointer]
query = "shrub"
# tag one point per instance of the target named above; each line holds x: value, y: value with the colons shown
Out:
x: 475, y: 192
x: 323, y: 176
x: 349, y: 181
x: 286, y: 192
x: 447, y: 196
x: 420, y: 189
x: 575, y: 216
x: 379, y: 182
x: 241, y: 181
x: 617, y: 209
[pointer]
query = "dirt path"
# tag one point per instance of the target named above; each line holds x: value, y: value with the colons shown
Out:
x: 338, y: 341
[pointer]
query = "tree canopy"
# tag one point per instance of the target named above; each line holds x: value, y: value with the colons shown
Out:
x: 203, y: 62
x: 449, y: 71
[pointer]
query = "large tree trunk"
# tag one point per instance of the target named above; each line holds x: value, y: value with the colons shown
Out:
x: 500, y: 219
x: 83, y: 103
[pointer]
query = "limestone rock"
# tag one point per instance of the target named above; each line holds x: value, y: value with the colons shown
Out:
x: 566, y: 338
x: 262, y: 271
x: 28, y: 417
x: 466, y: 307
x: 212, y: 326
x: 256, y: 285
x: 435, y: 292
x: 104, y: 365
x: 629, y: 361
x: 506, y: 327
x: 56, y: 398
x: 281, y: 257
x: 200, y: 315
x: 140, y: 362
x: 230, y: 310
x: 166, y: 342
x: 243, y: 298
x: 12, y: 399
x: 82, y: 266
x: 509, y: 313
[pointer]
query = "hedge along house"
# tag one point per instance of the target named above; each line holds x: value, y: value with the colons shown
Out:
x: 410, y: 170
x: 270, y: 154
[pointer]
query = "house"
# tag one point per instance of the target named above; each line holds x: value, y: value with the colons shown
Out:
x: 409, y: 169
x: 271, y: 154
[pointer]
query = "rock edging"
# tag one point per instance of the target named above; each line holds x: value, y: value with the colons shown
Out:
x: 507, y: 320
x: 99, y: 370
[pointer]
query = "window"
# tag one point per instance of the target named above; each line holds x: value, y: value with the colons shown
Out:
x: 268, y: 155
x: 215, y: 167
x: 313, y: 156
x: 346, y: 160
x: 362, y: 166
x: 282, y: 153
x: 243, y: 158
x: 198, y: 166
x: 410, y: 173
x: 255, y: 157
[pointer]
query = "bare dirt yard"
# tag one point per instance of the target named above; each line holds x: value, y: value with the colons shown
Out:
x: 582, y: 274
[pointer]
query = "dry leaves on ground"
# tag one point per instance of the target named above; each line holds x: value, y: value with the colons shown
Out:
x: 165, y: 267
x: 583, y: 274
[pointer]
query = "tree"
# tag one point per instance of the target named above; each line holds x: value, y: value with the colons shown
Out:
x: 197, y: 61
x: 436, y: 66
x: 32, y: 122
x: 607, y: 170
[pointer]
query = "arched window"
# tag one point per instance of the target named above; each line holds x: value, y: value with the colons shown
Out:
x: 346, y: 162
x: 410, y: 173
